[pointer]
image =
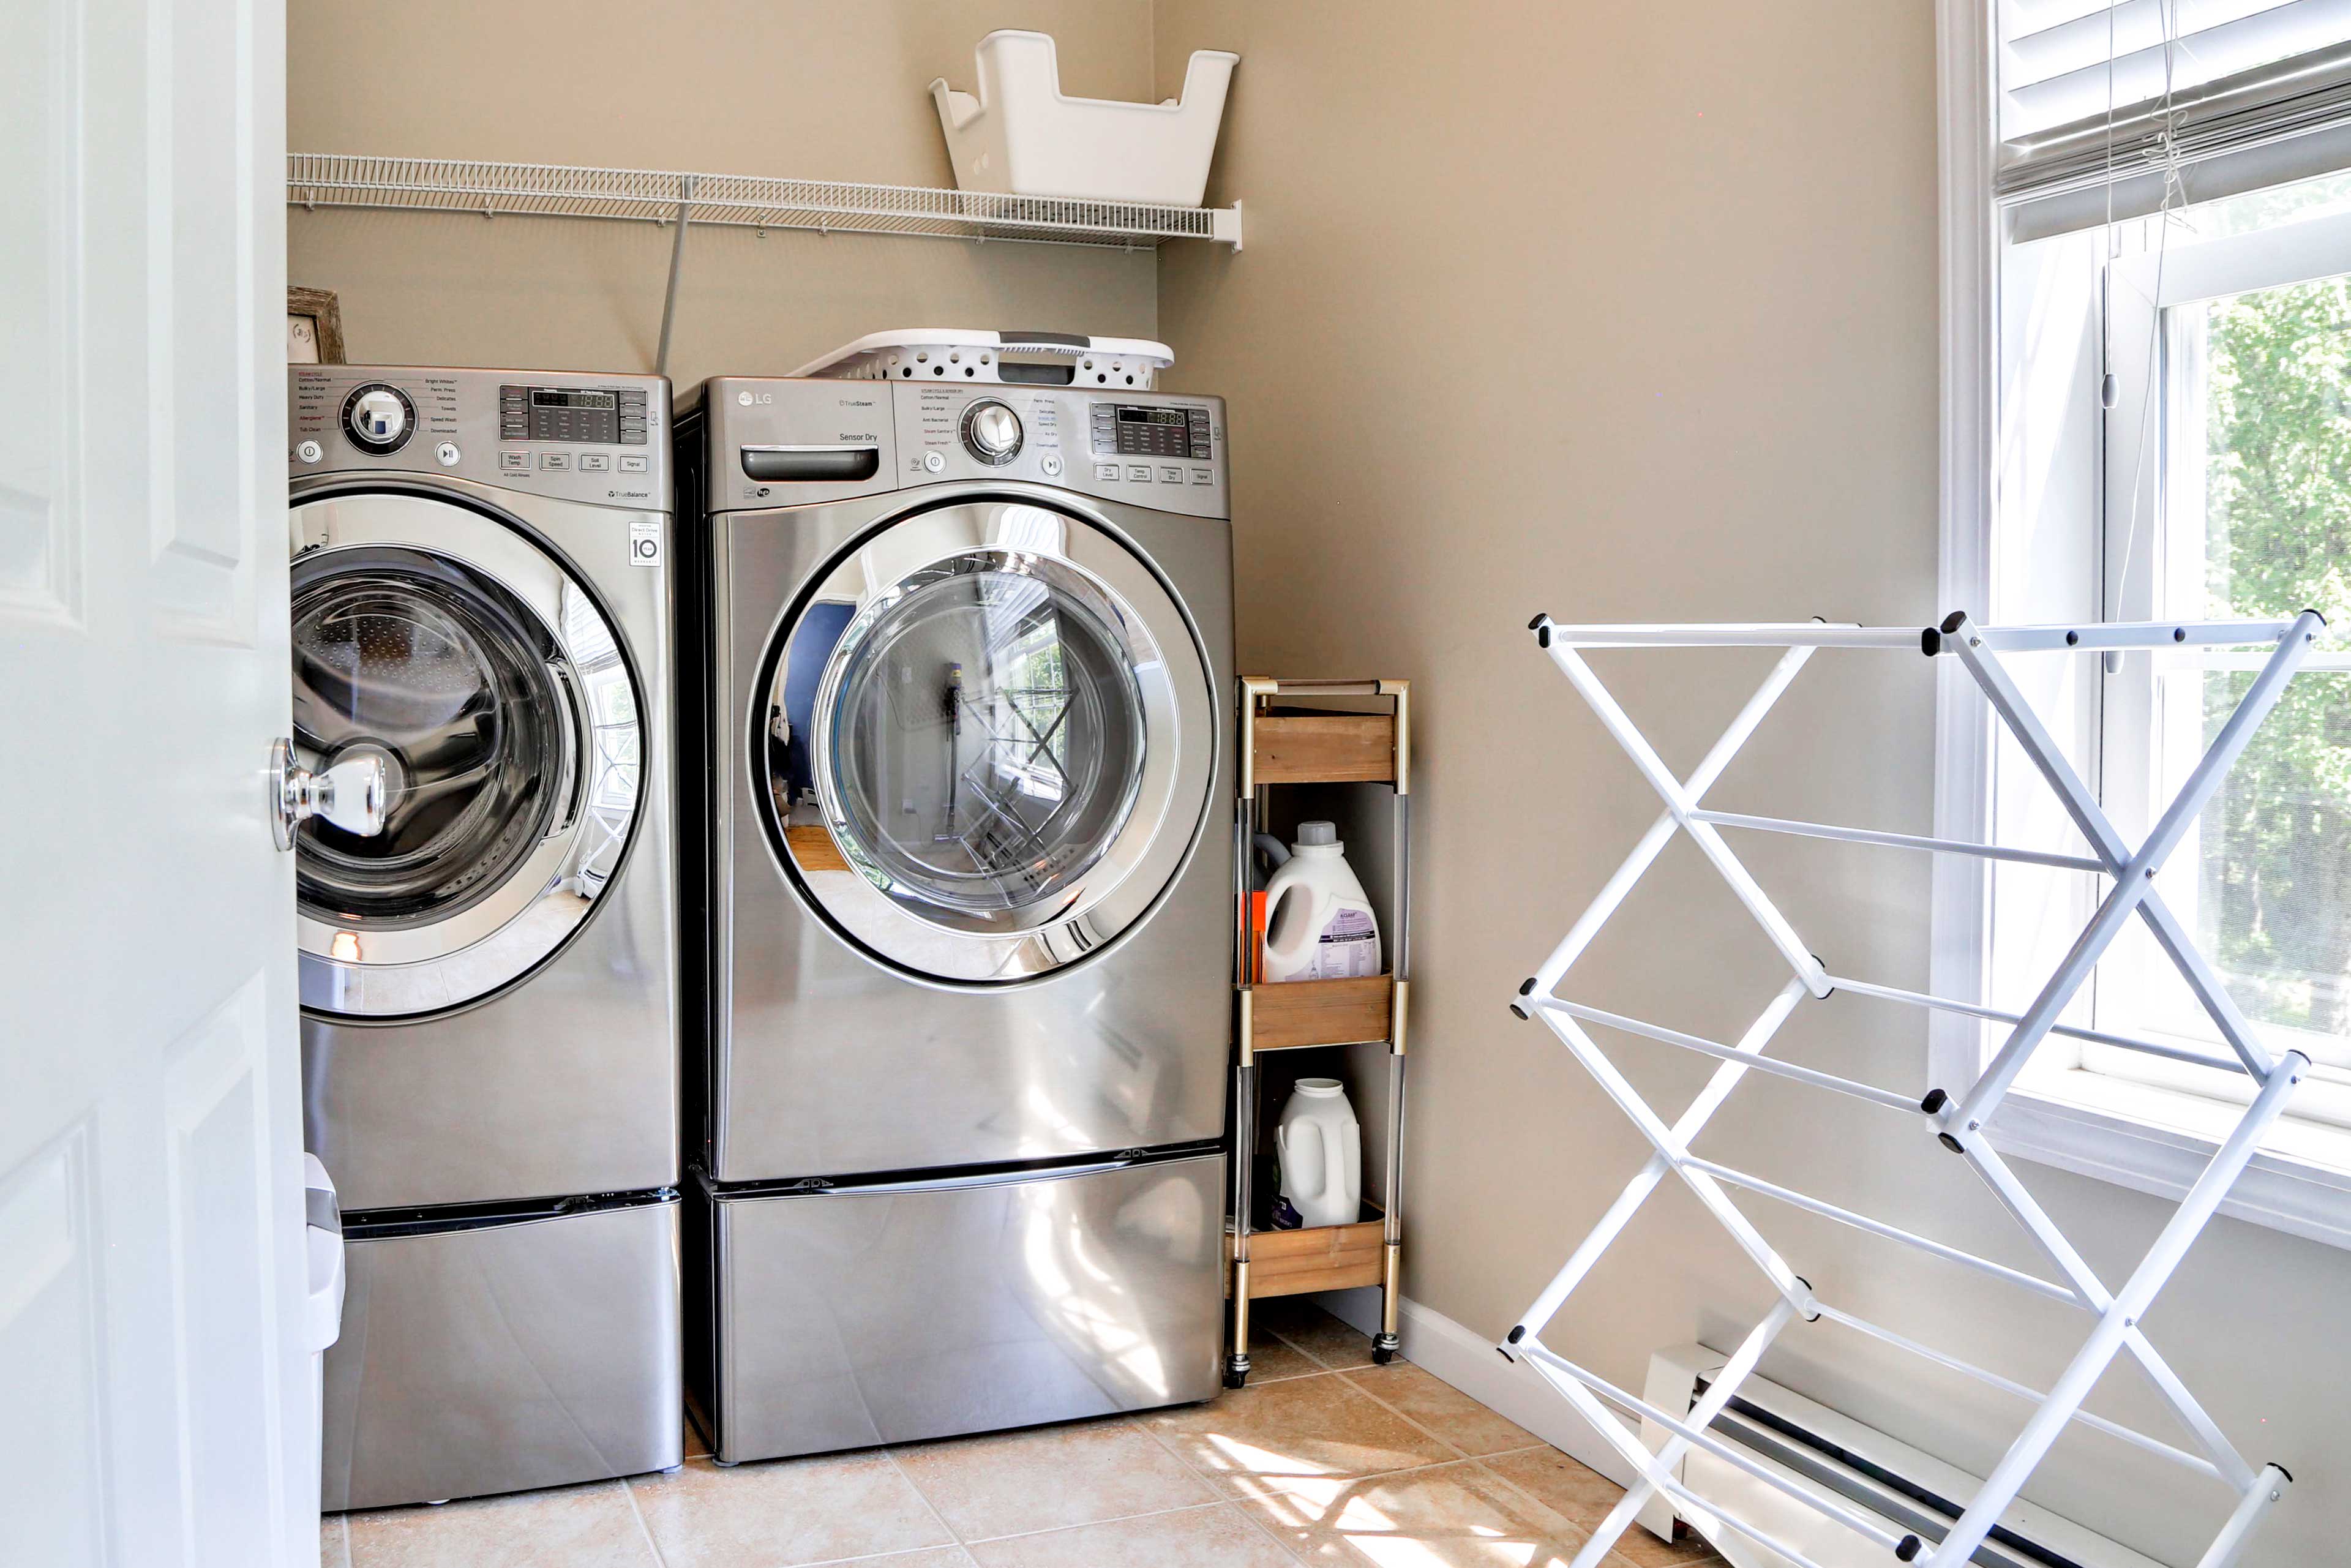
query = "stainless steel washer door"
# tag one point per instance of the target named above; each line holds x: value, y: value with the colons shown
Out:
x: 986, y: 741
x: 444, y: 641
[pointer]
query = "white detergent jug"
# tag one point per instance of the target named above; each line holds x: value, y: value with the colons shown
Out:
x: 1317, y: 924
x: 1322, y: 1153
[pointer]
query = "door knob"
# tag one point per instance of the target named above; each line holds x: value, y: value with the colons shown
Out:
x: 350, y: 794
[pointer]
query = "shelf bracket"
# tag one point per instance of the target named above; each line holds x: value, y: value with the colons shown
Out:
x: 676, y: 266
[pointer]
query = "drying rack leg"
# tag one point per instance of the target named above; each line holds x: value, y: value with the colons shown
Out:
x: 2121, y: 1316
x: 2268, y: 1489
x: 1718, y: 1397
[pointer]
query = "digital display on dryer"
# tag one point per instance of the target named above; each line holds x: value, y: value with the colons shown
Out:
x: 1140, y: 430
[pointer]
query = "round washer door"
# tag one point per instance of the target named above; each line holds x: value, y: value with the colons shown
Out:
x: 985, y: 741
x: 447, y: 643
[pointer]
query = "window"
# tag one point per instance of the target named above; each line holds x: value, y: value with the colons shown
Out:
x: 2165, y: 321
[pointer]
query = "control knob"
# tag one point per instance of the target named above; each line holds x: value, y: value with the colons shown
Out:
x: 379, y: 418
x: 991, y: 432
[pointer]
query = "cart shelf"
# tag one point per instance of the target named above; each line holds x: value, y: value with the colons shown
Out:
x: 1326, y: 748
x: 1317, y: 1257
x: 1323, y: 1012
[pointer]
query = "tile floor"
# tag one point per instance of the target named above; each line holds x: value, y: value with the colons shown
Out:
x: 1324, y: 1458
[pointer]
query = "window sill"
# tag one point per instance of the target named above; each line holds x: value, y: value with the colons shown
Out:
x: 2156, y: 1141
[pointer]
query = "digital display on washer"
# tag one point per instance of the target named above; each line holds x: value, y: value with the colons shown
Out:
x: 558, y: 397
x: 606, y: 417
x: 1137, y: 430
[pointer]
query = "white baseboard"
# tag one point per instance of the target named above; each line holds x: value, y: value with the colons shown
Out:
x: 1469, y: 1362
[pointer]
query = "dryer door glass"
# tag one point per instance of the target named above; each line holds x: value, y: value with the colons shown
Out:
x: 985, y: 735
x: 985, y: 739
x: 434, y: 669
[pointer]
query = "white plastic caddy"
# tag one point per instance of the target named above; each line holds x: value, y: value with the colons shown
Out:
x: 1023, y: 136
x: 1956, y: 1116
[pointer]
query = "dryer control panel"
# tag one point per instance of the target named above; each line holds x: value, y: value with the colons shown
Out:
x: 595, y: 438
x: 780, y: 442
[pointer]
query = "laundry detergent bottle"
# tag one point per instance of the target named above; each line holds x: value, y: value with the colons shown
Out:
x: 1317, y: 924
x: 1320, y: 1147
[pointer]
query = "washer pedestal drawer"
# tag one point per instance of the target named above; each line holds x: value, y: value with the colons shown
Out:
x: 850, y: 1316
x: 495, y: 1356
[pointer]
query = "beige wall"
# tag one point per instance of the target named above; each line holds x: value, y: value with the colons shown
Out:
x: 757, y: 87
x: 1580, y: 308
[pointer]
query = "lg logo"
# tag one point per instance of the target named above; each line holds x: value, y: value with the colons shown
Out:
x: 748, y: 399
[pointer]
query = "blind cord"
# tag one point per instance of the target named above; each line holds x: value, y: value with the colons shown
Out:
x: 2174, y: 189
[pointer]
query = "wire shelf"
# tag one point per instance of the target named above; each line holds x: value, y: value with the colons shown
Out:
x: 741, y: 201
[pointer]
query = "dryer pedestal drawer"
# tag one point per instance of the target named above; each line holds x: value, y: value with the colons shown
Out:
x: 493, y: 1357
x: 853, y: 1316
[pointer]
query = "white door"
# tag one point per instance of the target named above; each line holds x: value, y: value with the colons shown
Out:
x: 155, y: 1393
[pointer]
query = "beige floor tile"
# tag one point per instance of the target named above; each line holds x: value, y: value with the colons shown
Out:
x: 1217, y: 1537
x: 1585, y: 1497
x: 568, y: 1527
x: 332, y: 1551
x: 1272, y: 1357
x: 696, y: 1446
x: 1327, y: 1339
x: 936, y: 1557
x: 1020, y: 1482
x: 784, y: 1513
x: 1300, y: 1427
x: 1449, y: 1516
x: 1442, y: 1408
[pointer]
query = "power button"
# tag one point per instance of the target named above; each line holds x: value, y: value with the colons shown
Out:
x: 309, y: 451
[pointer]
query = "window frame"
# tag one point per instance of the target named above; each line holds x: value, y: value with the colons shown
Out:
x: 2145, y: 1138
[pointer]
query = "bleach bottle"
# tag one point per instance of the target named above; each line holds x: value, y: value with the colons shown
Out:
x: 1317, y: 924
x: 1321, y: 1146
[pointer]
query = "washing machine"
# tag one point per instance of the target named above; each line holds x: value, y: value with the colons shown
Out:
x: 481, y: 604
x: 965, y: 958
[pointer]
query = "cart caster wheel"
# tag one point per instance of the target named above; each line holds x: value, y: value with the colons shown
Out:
x: 1383, y: 1355
x: 1236, y: 1379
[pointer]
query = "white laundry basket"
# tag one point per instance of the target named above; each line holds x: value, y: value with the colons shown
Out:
x: 1023, y: 137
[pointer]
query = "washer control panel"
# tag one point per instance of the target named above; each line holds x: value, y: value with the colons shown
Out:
x: 575, y: 437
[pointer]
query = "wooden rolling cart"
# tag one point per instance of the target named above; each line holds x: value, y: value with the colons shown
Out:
x: 1282, y: 745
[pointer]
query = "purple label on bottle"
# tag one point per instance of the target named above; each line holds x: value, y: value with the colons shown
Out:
x: 1349, y: 946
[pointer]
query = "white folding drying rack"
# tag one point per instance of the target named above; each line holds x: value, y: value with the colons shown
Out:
x: 1956, y: 1116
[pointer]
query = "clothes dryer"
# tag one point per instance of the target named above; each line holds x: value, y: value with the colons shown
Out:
x: 969, y: 959
x: 481, y: 611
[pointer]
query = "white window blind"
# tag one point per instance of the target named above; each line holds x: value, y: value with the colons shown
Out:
x: 2101, y: 103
